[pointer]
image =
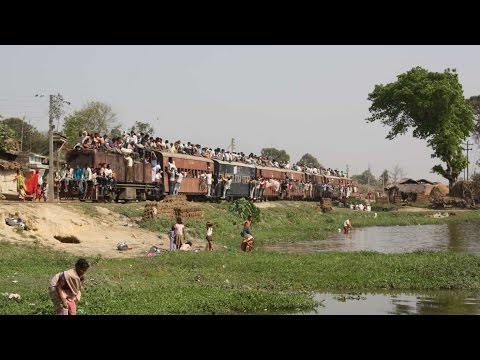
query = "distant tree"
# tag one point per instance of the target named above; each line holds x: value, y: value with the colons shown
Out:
x: 476, y: 177
x: 29, y: 138
x: 384, y: 178
x: 94, y: 117
x: 279, y: 155
x: 141, y: 127
x: 116, y: 131
x: 365, y: 178
x: 433, y: 105
x: 396, y: 173
x: 309, y: 160
x: 7, y: 138
x: 474, y: 101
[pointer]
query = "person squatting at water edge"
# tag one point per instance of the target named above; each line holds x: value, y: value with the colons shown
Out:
x: 347, y: 226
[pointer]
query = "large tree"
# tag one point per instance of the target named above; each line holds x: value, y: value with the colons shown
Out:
x: 29, y: 138
x: 94, y: 117
x: 433, y: 105
x: 279, y: 155
x: 310, y: 161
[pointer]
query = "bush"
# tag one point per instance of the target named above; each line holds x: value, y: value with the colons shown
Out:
x: 244, y: 208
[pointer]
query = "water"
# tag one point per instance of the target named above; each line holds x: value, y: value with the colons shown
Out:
x: 434, y: 303
x: 458, y: 237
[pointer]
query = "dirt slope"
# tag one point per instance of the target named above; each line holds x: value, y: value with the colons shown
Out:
x: 98, y: 233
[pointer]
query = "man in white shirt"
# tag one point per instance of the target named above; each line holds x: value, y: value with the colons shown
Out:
x: 178, y: 183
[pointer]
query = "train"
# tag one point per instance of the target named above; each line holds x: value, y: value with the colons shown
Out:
x: 139, y: 182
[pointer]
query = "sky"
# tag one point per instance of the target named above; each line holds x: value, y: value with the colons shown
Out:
x: 303, y: 99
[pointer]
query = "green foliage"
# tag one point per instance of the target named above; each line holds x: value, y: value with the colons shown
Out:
x: 476, y: 177
x: 310, y: 161
x: 32, y: 139
x: 474, y: 102
x: 433, y: 105
x: 7, y: 138
x: 94, y: 117
x: 141, y: 127
x: 244, y: 208
x: 365, y: 178
x: 279, y: 155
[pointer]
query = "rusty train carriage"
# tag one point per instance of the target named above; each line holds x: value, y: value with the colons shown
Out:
x: 192, y: 184
x: 140, y: 187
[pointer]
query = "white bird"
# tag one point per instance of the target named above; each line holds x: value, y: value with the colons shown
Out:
x: 375, y: 216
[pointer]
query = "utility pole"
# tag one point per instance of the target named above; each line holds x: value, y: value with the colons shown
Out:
x: 51, y: 185
x: 21, y: 141
x: 468, y: 149
x: 55, y: 111
x: 347, y: 170
x: 232, y: 144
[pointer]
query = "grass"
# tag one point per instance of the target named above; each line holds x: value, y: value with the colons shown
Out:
x: 225, y: 282
x: 235, y: 282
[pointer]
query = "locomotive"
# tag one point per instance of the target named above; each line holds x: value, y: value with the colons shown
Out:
x: 139, y: 183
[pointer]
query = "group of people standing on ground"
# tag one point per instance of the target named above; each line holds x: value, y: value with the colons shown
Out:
x: 176, y: 236
x: 34, y: 186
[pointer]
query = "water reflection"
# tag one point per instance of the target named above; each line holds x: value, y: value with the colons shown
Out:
x: 458, y: 237
x: 441, y: 302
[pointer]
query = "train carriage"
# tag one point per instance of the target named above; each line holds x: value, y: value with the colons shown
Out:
x: 296, y: 186
x: 193, y: 185
x: 240, y: 173
x: 274, y: 177
x: 140, y: 187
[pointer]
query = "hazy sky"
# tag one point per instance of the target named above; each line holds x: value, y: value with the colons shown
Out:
x: 304, y: 99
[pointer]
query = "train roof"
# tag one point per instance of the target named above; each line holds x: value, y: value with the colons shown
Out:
x: 278, y: 169
x: 336, y: 177
x: 236, y: 163
x: 184, y: 156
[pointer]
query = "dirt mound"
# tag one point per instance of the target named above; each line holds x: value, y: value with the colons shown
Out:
x: 96, y: 228
x: 173, y: 207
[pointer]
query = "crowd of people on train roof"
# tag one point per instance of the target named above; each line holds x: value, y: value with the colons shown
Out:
x: 143, y: 144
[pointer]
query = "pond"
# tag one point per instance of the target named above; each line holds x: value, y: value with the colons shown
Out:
x: 458, y: 237
x: 434, y: 303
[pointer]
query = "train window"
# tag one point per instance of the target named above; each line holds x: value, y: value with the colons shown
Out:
x: 237, y: 178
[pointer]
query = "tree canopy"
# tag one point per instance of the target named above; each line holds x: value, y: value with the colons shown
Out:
x: 474, y: 102
x: 432, y: 104
x: 94, y: 117
x: 309, y: 160
x: 27, y: 136
x: 7, y: 136
x: 279, y: 155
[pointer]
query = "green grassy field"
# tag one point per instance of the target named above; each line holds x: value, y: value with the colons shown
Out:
x: 226, y: 282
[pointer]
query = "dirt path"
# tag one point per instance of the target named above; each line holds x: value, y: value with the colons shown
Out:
x: 98, y: 232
